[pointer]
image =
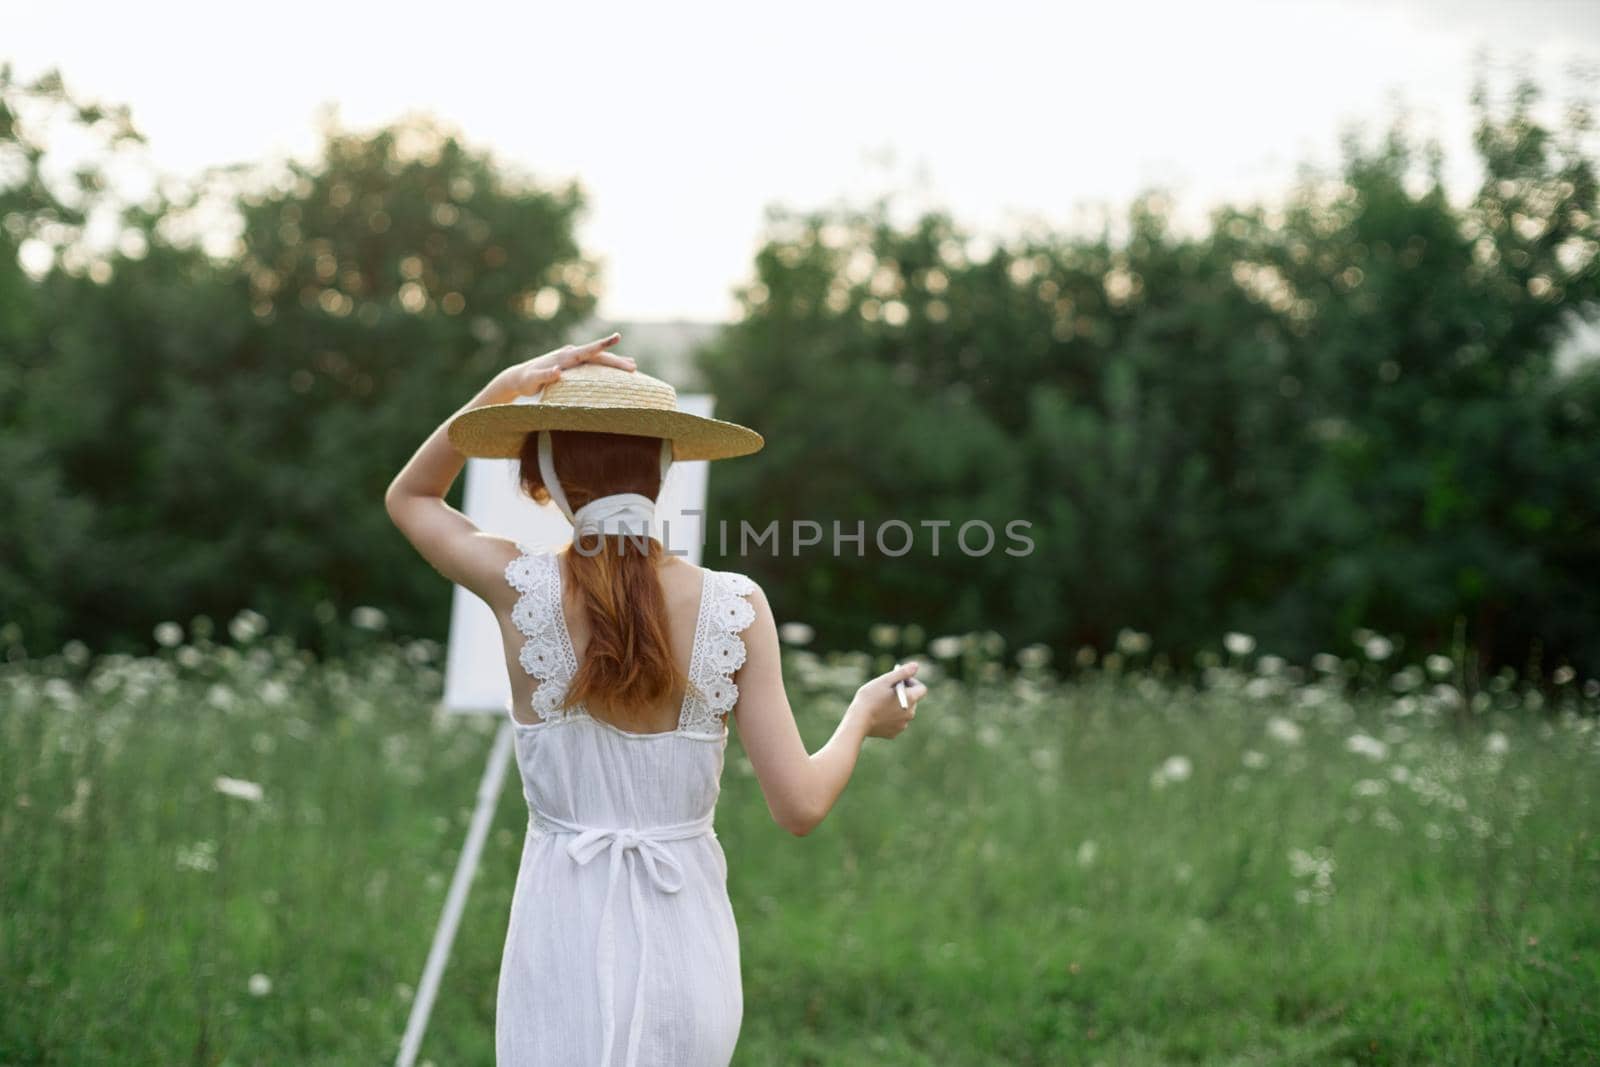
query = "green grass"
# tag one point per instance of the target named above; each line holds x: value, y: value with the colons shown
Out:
x: 1012, y: 881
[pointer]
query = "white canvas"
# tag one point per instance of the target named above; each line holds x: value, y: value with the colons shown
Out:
x: 475, y: 679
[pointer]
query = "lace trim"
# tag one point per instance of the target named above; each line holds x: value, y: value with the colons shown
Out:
x: 548, y: 657
x: 546, y: 653
x: 718, y: 652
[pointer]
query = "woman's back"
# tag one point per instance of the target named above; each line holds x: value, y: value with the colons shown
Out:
x: 622, y: 945
x: 682, y: 584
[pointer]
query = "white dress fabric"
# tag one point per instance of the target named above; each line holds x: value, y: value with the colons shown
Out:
x: 622, y: 947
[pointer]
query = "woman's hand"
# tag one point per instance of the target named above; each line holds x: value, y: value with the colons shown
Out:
x: 530, y: 376
x: 877, y: 702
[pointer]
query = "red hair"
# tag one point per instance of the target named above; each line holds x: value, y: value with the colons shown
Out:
x: 628, y: 664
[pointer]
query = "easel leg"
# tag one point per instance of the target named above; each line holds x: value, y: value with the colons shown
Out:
x: 494, y: 776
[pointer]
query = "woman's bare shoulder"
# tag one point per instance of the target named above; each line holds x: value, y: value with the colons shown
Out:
x: 693, y: 575
x: 680, y: 579
x: 495, y: 565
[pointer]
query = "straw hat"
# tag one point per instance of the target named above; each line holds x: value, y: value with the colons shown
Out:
x: 591, y: 396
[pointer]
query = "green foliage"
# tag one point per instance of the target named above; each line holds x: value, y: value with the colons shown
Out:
x: 1269, y: 867
x: 1341, y: 413
x: 187, y: 433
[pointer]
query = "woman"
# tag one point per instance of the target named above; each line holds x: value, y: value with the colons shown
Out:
x: 625, y: 663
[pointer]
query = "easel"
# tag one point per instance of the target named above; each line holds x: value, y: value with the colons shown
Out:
x: 475, y: 672
x: 494, y: 776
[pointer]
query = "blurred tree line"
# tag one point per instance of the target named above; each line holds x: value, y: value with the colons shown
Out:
x: 1347, y: 412
x: 190, y: 431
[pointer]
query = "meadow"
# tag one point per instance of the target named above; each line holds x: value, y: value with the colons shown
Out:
x: 234, y: 853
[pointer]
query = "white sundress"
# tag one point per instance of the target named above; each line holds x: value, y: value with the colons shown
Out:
x: 622, y: 947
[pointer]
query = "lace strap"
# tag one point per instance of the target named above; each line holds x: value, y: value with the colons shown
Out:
x: 546, y: 652
x: 718, y: 652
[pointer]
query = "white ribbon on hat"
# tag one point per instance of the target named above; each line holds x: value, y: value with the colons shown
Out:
x: 620, y: 514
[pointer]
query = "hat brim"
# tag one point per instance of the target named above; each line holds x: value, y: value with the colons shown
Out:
x: 497, y: 431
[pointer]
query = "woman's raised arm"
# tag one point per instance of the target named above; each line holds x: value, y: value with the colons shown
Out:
x: 446, y: 538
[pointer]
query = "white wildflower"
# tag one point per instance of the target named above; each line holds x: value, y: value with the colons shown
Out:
x: 247, y: 626
x: 1446, y: 697
x: 1303, y: 864
x: 1406, y: 679
x: 1132, y: 642
x: 260, y: 985
x: 1284, y: 730
x: 1087, y: 852
x: 1174, y: 769
x: 1255, y: 760
x: 884, y: 635
x: 1366, y: 745
x: 947, y: 647
x: 168, y: 634
x: 368, y: 618
x: 1377, y: 648
x: 1317, y: 867
x: 1312, y: 696
x: 1497, y: 744
x: 238, y: 787
x: 1438, y: 666
x: 1327, y: 663
x: 62, y: 692
x: 1238, y: 644
x: 1370, y: 787
x: 200, y: 856
x: 796, y: 633
x: 1260, y: 688
x: 1033, y: 657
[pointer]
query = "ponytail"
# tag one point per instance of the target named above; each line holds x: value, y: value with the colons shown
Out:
x: 628, y: 666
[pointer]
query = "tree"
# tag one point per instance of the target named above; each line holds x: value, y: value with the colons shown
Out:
x: 1342, y: 413
x: 193, y: 432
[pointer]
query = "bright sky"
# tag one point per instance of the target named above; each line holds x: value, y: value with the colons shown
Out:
x: 685, y: 120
